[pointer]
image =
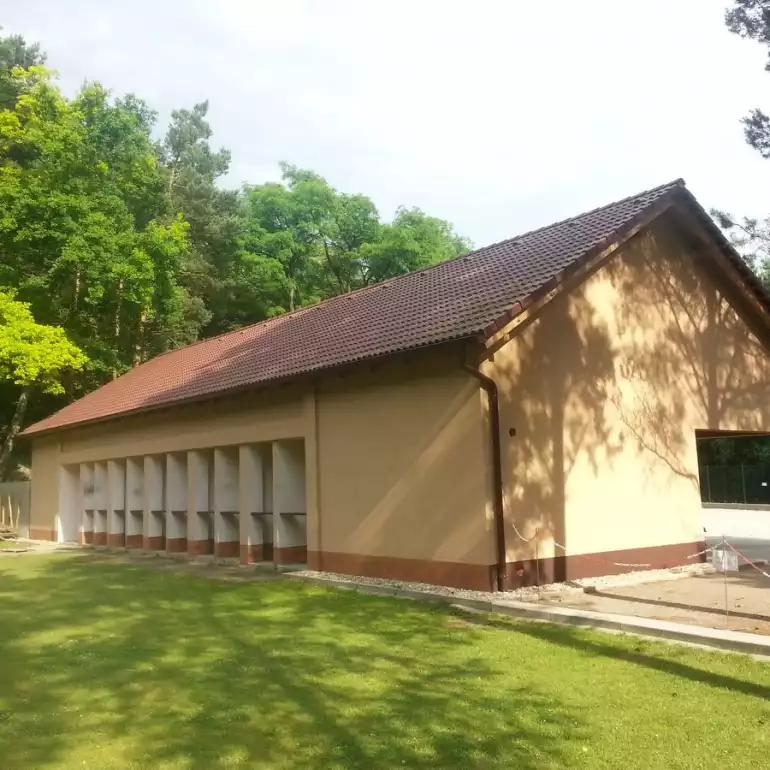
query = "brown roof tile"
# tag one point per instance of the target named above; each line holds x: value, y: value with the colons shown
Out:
x: 461, y: 298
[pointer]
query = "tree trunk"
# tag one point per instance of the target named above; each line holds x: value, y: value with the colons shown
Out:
x: 118, y: 307
x: 13, y: 430
x: 138, y: 356
x: 334, y: 271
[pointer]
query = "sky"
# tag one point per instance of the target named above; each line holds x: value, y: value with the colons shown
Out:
x: 497, y: 116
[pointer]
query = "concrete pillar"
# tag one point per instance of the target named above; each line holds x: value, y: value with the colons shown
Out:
x: 176, y: 502
x: 289, y: 511
x: 69, y: 521
x: 256, y: 531
x: 153, y: 503
x: 200, y: 522
x: 226, y: 504
x: 116, y: 503
x: 134, y: 502
x: 100, y: 503
x: 312, y: 504
x: 87, y: 501
x: 266, y: 451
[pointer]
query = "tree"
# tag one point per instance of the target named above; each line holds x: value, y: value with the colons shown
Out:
x: 327, y: 242
x: 751, y: 236
x: 751, y: 19
x: 211, y: 270
x: 133, y: 246
x: 32, y: 356
x: 412, y: 241
x: 15, y: 52
x: 85, y: 233
x: 278, y: 229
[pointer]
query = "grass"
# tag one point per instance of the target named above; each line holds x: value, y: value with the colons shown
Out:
x: 106, y: 665
x: 10, y: 545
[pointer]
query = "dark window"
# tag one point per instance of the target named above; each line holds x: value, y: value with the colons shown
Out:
x: 734, y: 468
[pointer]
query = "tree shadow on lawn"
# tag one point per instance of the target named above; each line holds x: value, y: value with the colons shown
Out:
x: 119, y: 666
x: 578, y: 639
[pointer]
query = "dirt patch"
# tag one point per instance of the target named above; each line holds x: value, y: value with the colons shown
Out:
x: 698, y: 600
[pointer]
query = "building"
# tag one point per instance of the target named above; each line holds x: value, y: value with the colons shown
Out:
x: 527, y: 411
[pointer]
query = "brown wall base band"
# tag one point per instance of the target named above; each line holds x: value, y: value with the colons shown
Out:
x: 87, y: 538
x: 38, y: 533
x: 116, y: 541
x: 176, y: 544
x: 154, y: 543
x: 481, y: 577
x: 228, y: 549
x: 574, y: 567
x: 134, y: 541
x: 251, y: 554
x: 293, y: 554
x: 200, y: 547
x: 100, y: 538
x: 472, y: 576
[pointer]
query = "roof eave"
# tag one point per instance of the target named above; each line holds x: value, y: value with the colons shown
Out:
x: 277, y: 382
x: 501, y: 329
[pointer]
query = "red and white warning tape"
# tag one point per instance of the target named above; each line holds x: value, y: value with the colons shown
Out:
x: 599, y: 559
x: 640, y: 566
x: 748, y: 561
x: 701, y: 553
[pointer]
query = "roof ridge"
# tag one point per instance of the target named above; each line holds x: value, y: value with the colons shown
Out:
x: 679, y: 182
x: 398, y: 314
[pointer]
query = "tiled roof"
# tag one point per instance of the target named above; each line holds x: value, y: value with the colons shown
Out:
x: 460, y: 298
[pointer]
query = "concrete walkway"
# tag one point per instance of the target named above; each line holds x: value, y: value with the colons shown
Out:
x: 700, y: 600
x: 734, y: 641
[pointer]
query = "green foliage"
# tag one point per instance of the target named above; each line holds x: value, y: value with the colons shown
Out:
x: 133, y: 246
x: 15, y: 52
x: 751, y: 237
x: 32, y: 353
x: 192, y: 169
x: 85, y: 234
x: 328, y: 242
x: 734, y: 450
x: 751, y: 19
x: 412, y: 241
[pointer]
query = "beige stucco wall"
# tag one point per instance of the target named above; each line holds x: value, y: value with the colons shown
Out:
x: 44, y: 496
x: 605, y: 390
x: 401, y: 453
x: 261, y: 416
x: 394, y: 461
x: 251, y: 418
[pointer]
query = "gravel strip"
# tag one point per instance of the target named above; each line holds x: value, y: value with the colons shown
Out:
x: 530, y: 593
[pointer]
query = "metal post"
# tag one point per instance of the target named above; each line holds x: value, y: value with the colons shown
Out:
x: 708, y: 485
x: 743, y: 484
x: 724, y: 572
x: 537, y: 560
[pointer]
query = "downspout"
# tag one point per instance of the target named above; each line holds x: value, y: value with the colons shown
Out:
x: 490, y: 386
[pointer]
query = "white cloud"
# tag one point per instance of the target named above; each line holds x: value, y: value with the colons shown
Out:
x: 499, y: 116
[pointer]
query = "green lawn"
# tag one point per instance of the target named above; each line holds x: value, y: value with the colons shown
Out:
x: 119, y: 666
